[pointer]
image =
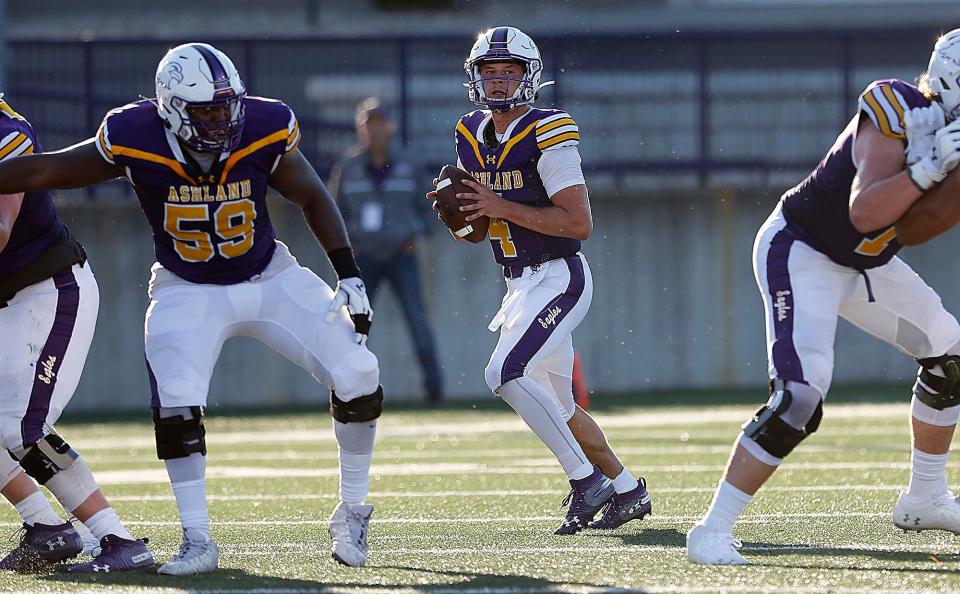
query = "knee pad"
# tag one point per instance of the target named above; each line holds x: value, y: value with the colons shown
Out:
x: 357, y: 374
x: 772, y: 432
x: 47, y: 457
x: 357, y: 410
x: 178, y: 436
x: 939, y: 391
x: 9, y: 468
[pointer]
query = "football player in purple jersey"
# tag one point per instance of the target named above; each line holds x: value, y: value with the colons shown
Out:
x: 201, y: 157
x: 48, y: 310
x: 829, y: 251
x: 529, y: 182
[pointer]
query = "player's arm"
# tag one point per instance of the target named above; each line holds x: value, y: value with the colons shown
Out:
x: 567, y: 216
x: 299, y: 183
x: 73, y: 167
x: 935, y: 212
x: 882, y: 189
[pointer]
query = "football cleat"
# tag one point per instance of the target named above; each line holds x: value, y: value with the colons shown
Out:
x: 348, y: 531
x: 586, y: 497
x: 195, y: 556
x: 623, y: 507
x: 938, y: 513
x: 41, y: 546
x: 118, y: 554
x: 713, y: 548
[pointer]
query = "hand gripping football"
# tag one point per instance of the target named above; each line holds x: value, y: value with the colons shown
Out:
x: 449, y: 184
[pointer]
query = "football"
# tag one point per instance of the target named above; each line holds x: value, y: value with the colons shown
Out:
x: 449, y: 184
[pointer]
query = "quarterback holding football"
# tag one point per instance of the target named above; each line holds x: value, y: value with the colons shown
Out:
x: 525, y: 177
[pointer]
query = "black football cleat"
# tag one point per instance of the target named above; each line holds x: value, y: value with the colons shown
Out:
x: 623, y: 507
x: 41, y: 546
x: 587, y: 496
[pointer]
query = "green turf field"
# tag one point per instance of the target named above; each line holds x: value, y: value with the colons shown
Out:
x: 466, y: 501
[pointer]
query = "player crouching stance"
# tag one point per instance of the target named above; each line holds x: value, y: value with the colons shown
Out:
x: 828, y: 251
x: 538, y: 219
x: 200, y: 159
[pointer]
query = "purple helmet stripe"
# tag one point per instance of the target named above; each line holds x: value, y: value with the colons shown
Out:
x: 499, y: 36
x: 221, y: 80
x: 51, y: 357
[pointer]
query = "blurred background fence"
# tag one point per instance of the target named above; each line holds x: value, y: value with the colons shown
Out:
x: 688, y: 141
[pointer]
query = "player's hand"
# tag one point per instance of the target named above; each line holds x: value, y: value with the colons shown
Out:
x: 432, y: 195
x: 488, y: 203
x: 942, y: 158
x: 921, y: 124
x: 353, y: 295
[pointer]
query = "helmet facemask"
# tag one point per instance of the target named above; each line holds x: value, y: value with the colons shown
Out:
x: 212, y: 136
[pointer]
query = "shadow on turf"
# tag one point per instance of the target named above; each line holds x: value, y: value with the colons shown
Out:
x: 229, y: 578
x: 664, y: 537
x: 484, y: 581
x: 759, y: 549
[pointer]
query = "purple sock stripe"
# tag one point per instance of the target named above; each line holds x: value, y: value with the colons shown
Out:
x: 784, y: 353
x: 51, y: 357
x: 539, y: 331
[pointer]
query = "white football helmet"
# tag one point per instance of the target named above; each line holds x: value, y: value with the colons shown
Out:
x: 200, y: 75
x: 504, y: 44
x: 943, y: 73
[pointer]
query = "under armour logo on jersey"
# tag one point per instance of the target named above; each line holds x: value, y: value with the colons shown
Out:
x: 52, y: 544
x: 47, y: 375
x: 491, y: 159
x: 104, y: 568
x: 206, y: 179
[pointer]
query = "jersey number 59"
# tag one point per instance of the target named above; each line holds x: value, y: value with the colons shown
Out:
x: 232, y: 223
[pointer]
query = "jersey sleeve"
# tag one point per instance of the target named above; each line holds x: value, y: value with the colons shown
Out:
x: 104, y: 147
x: 557, y: 131
x: 885, y: 107
x: 559, y: 169
x: 14, y: 143
x: 293, y: 134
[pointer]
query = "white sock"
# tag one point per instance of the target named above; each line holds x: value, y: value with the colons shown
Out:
x: 625, y: 481
x: 35, y: 509
x: 106, y: 522
x: 728, y: 503
x: 190, y: 490
x: 541, y: 412
x: 928, y: 474
x: 355, y: 444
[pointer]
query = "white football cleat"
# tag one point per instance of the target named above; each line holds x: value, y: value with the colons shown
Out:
x: 193, y: 558
x: 713, y: 548
x: 348, y: 530
x: 937, y: 513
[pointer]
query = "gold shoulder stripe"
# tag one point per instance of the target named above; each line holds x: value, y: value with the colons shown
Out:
x: 251, y: 148
x: 29, y: 150
x: 881, y: 117
x: 5, y: 108
x: 103, y: 145
x: 558, y: 139
x: 13, y: 145
x: 555, y: 124
x: 471, y: 140
x: 125, y: 151
x: 513, y: 141
x: 892, y: 98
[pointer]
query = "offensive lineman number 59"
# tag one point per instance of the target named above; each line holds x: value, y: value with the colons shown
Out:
x: 232, y: 223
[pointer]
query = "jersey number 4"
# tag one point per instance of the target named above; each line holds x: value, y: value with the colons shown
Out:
x: 875, y: 246
x: 500, y: 231
x: 232, y: 223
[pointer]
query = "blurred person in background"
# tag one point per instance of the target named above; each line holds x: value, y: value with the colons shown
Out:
x: 376, y: 189
x: 49, y: 301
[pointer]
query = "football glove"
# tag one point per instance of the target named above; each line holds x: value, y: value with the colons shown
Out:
x: 942, y: 158
x: 921, y: 124
x: 352, y: 295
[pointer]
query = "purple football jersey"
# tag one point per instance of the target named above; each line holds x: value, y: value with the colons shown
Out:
x: 818, y: 208
x: 511, y: 171
x: 207, y: 227
x: 37, y: 226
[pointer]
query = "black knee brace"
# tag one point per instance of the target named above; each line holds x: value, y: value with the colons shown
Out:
x: 935, y: 391
x: 777, y: 437
x: 47, y: 457
x: 178, y: 437
x: 364, y: 408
